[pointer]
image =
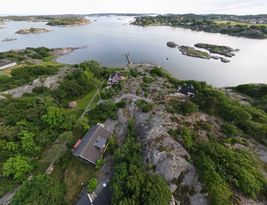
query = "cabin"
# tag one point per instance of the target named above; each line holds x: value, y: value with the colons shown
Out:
x: 103, y: 197
x: 91, y: 147
x: 115, y: 78
x: 4, y: 64
x: 187, y: 90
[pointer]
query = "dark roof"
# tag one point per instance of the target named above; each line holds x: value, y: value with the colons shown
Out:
x: 84, y: 200
x: 187, y: 89
x: 104, y: 197
x: 100, y: 142
x: 87, y: 148
x: 4, y: 62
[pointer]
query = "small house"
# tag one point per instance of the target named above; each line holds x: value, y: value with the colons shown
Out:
x: 188, y: 90
x: 91, y: 147
x: 115, y: 78
x: 4, y: 64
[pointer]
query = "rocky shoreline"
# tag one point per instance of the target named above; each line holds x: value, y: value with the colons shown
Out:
x: 32, y: 31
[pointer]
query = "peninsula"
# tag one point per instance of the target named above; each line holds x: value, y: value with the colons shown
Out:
x: 243, y: 26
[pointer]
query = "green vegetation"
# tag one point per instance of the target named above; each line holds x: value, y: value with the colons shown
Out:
x: 250, y: 120
x: 69, y: 21
x: 26, y: 54
x: 256, y: 91
x: 92, y: 184
x: 25, y: 74
x: 131, y: 183
x: 228, y: 167
x: 181, y: 107
x: 206, y: 23
x: 41, y: 190
x: 101, y: 112
x: 191, y: 51
x: 144, y: 106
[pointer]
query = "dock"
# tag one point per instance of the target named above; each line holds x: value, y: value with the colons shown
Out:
x: 128, y: 58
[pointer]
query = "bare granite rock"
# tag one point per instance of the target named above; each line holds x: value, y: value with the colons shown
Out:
x: 169, y: 158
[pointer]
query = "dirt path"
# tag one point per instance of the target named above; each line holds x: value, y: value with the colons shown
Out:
x: 92, y: 100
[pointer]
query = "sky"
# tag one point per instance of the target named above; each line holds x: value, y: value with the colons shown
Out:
x: 27, y: 7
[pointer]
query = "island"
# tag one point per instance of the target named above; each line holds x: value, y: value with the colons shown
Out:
x: 191, y: 51
x: 70, y: 21
x: 32, y: 31
x: 8, y: 39
x: 217, y: 49
x: 213, y: 49
x: 244, y: 26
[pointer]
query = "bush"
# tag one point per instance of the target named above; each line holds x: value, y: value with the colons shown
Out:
x: 147, y: 79
x: 92, y: 184
x: 103, y: 111
x: 230, y: 130
x: 181, y: 107
x: 235, y: 167
x: 144, y: 106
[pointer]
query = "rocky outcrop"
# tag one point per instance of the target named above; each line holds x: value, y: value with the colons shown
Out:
x: 172, y: 44
x: 169, y: 159
x: 50, y: 82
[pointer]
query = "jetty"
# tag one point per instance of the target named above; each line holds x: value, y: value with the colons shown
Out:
x: 128, y: 58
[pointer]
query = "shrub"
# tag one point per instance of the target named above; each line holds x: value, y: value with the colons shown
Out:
x: 92, y: 184
x: 144, y: 106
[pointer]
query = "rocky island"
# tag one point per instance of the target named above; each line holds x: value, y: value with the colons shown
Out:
x: 68, y: 21
x: 217, y: 49
x: 213, y: 49
x: 32, y: 31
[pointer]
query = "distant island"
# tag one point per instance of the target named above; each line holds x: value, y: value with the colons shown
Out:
x: 32, y: 31
x: 72, y: 21
x: 244, y: 26
x: 8, y: 39
x: 213, y: 49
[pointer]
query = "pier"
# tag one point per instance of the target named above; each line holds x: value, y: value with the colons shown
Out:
x: 128, y: 58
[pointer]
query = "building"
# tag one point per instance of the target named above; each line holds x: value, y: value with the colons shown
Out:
x: 4, y: 64
x: 102, y: 198
x: 92, y: 146
x: 115, y: 78
x: 188, y: 90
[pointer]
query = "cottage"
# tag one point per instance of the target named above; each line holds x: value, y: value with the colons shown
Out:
x: 4, y: 64
x: 188, y: 90
x: 115, y: 78
x: 92, y: 146
x: 103, y: 197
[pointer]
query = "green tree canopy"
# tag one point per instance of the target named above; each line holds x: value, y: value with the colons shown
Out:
x: 40, y: 190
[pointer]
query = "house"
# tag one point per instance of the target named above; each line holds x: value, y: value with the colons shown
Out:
x: 102, y: 198
x: 4, y: 64
x: 115, y: 78
x: 92, y: 146
x: 188, y: 90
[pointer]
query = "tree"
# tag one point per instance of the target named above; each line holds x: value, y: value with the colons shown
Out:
x: 28, y: 144
x: 55, y: 117
x: 40, y: 190
x: 18, y: 167
x: 92, y: 184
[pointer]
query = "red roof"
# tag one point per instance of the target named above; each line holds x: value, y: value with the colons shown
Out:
x: 77, y: 144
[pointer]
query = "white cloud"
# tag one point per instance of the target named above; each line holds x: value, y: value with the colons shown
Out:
x: 136, y: 6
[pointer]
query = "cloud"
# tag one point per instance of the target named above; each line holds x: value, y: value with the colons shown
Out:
x: 136, y: 6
